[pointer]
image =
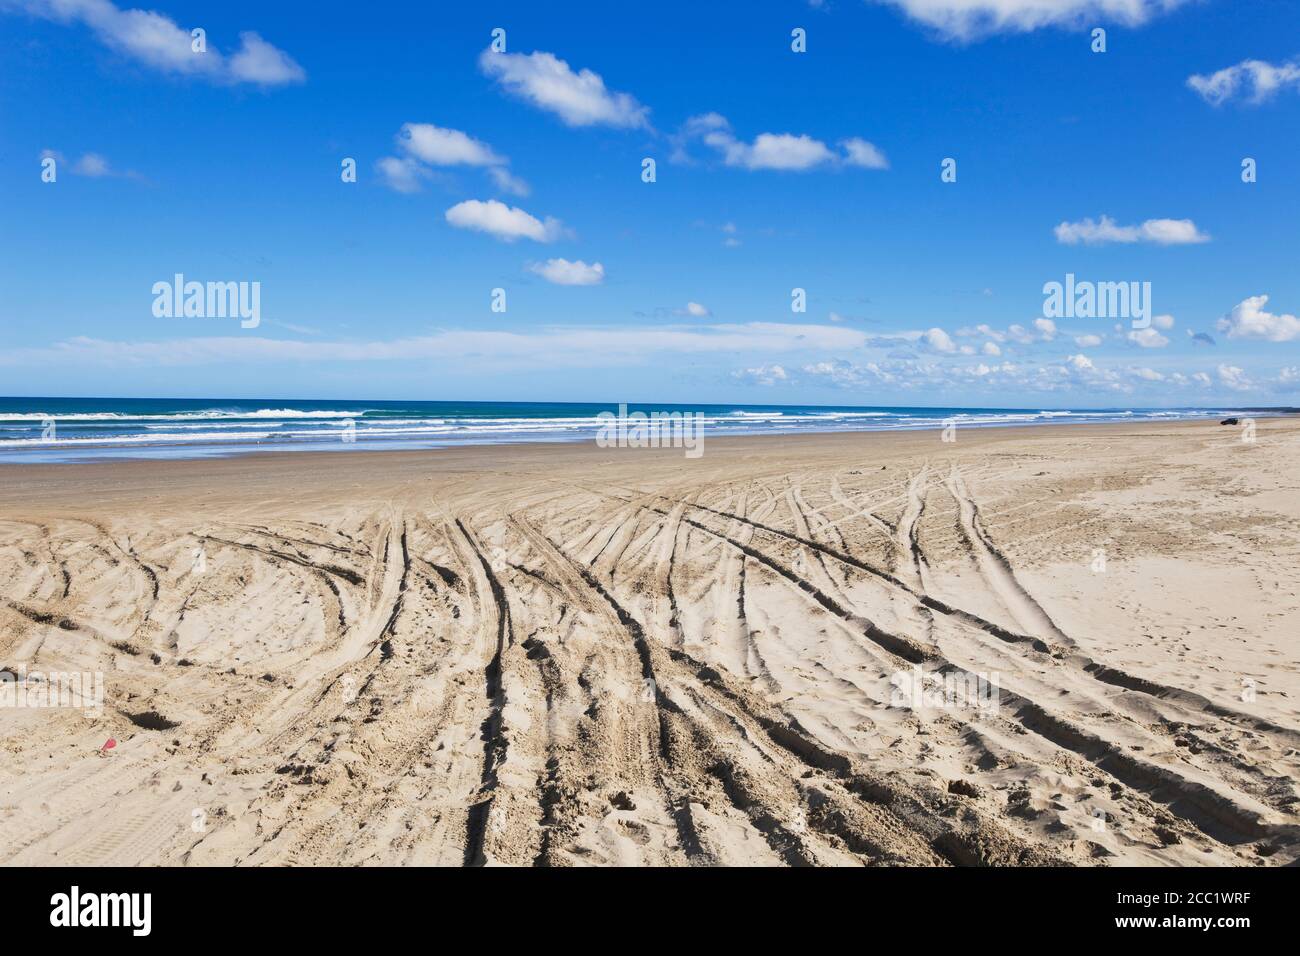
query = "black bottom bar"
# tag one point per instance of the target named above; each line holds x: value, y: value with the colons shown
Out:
x: 337, y: 905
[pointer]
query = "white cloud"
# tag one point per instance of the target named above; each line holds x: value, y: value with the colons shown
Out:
x: 697, y: 311
x: 991, y: 348
x: 157, y: 41
x: 1087, y: 341
x: 546, y: 81
x: 779, y: 151
x: 564, y: 272
x: 771, y: 151
x: 985, y: 329
x: 1165, y: 232
x: 1234, y: 378
x: 427, y: 146
x: 1288, y: 379
x: 507, y: 181
x: 445, y: 147
x: 1172, y: 232
x: 1147, y: 338
x: 507, y: 223
x: 1255, y: 80
x: 1165, y: 322
x: 969, y: 19
x: 762, y: 375
x: 404, y: 175
x: 257, y: 61
x: 91, y: 164
x: 859, y: 152
x: 569, y: 346
x: 1248, y: 320
x: 939, y: 340
x: 1047, y: 328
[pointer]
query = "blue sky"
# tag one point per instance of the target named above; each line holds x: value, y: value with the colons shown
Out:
x: 775, y: 170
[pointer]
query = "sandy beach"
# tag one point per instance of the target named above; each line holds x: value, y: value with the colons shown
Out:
x: 1052, y: 645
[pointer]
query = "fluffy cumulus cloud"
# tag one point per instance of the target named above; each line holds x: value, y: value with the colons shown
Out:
x: 1252, y: 80
x: 1164, y: 232
x: 158, y: 42
x: 970, y: 19
x: 426, y: 146
x: 939, y: 340
x: 564, y: 272
x: 506, y: 223
x: 1087, y: 341
x: 1250, y: 320
x: 776, y: 151
x: 1147, y: 338
x: 547, y: 82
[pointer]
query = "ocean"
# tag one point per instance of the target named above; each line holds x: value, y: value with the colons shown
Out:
x: 78, y: 429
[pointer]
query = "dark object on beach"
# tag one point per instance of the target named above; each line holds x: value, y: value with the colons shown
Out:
x: 1229, y: 421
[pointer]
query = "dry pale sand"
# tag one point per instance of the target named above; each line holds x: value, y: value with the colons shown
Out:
x: 567, y: 655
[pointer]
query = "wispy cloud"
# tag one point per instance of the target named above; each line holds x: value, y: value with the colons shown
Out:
x: 777, y: 151
x: 1253, y: 80
x: 404, y: 174
x: 1165, y: 232
x: 90, y: 165
x: 579, y: 99
x: 554, y: 345
x: 158, y: 42
x: 427, y: 146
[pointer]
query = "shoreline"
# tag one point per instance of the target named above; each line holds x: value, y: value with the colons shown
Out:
x: 352, y: 458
